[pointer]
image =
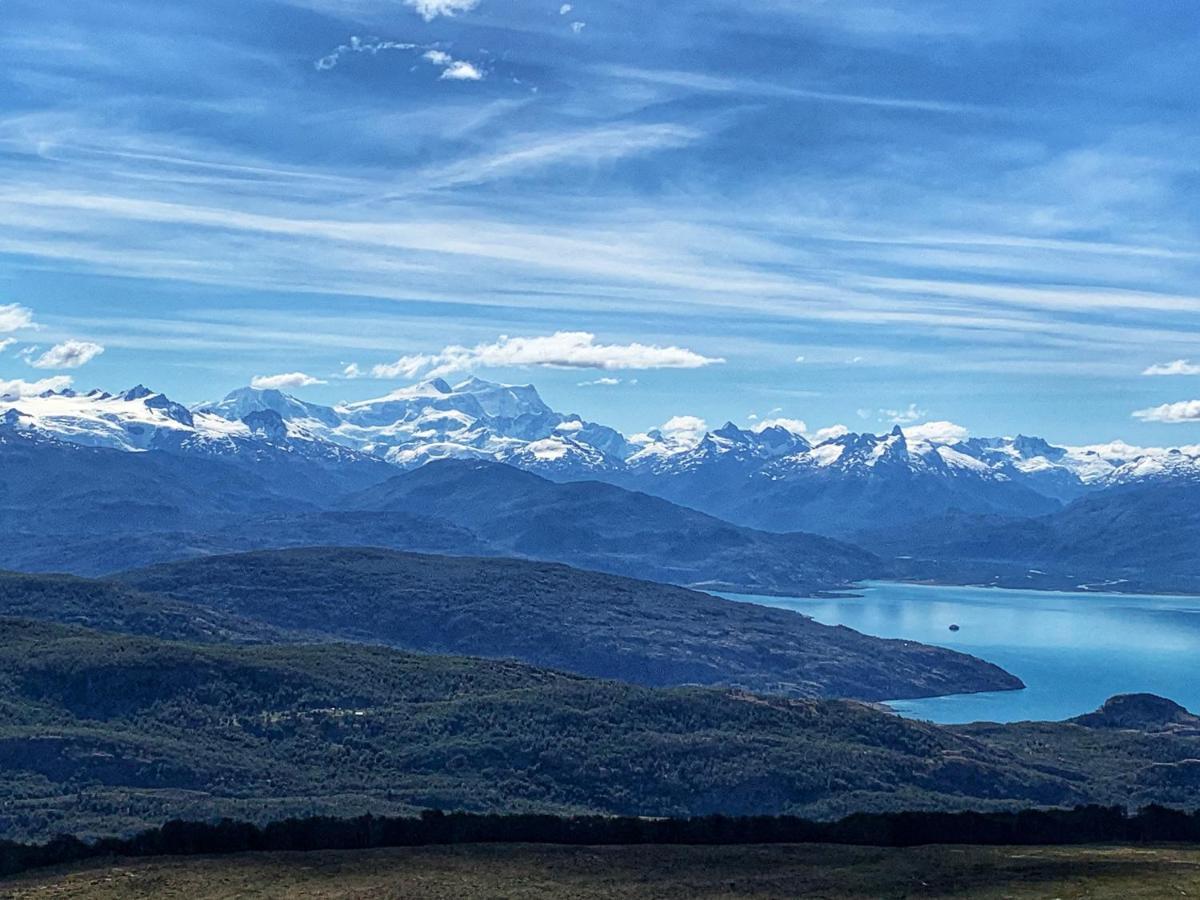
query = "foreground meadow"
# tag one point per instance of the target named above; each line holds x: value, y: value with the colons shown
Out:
x: 529, y: 872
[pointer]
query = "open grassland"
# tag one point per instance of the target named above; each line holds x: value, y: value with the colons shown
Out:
x: 529, y: 872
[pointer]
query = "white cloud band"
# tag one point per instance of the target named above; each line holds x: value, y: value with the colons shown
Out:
x: 562, y: 350
x: 285, y: 380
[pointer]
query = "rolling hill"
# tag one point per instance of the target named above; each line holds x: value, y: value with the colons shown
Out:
x: 600, y: 526
x: 103, y: 733
x: 553, y: 615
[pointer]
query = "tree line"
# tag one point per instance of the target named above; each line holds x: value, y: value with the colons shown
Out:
x: 1081, y: 825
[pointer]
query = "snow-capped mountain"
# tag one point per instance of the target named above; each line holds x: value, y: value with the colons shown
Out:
x: 137, y: 419
x: 769, y: 477
x: 434, y: 420
x: 140, y: 419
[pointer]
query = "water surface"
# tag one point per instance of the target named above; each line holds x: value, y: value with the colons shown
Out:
x: 1072, y: 650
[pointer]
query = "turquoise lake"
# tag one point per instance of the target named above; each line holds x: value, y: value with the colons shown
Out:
x: 1072, y: 650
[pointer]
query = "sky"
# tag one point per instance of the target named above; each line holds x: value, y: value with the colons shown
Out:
x: 823, y: 210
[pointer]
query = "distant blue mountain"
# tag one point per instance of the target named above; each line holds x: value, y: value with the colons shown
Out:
x: 136, y: 477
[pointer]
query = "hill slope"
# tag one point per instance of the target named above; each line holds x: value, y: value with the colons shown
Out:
x: 108, y: 606
x: 1139, y: 536
x: 105, y: 733
x: 604, y: 527
x: 552, y: 615
x: 94, y: 511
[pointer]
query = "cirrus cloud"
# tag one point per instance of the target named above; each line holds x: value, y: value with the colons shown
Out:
x: 68, y: 355
x: 1175, y: 367
x: 371, y: 46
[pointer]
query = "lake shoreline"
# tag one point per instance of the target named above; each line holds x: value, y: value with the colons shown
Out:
x: 1071, y: 655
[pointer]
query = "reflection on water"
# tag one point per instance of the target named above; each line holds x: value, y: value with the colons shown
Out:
x: 1073, y: 651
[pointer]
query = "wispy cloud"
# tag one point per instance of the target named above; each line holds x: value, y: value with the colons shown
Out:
x: 285, y: 381
x: 585, y: 147
x: 912, y: 413
x: 372, y: 46
x: 69, y: 354
x: 1174, y: 413
x: 600, y: 382
x: 1176, y: 367
x: 562, y: 350
x: 702, y: 82
x: 452, y: 69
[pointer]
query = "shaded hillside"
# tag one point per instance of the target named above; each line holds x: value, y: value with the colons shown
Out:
x: 600, y: 526
x: 104, y: 553
x: 1141, y: 536
x: 108, y: 606
x: 552, y: 615
x: 840, y: 500
x: 72, y: 486
x: 104, y: 733
x: 94, y: 511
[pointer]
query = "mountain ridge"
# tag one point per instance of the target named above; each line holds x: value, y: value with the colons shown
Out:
x: 768, y: 477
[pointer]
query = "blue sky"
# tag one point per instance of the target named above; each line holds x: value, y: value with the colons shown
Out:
x: 835, y: 211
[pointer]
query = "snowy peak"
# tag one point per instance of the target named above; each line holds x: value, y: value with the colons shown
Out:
x: 479, y: 419
x: 136, y: 419
x: 134, y: 393
x: 475, y: 419
x: 242, y: 402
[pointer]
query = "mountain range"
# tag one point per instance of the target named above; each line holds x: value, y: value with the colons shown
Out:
x: 135, y: 478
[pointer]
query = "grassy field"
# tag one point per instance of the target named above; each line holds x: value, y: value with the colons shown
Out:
x: 525, y: 872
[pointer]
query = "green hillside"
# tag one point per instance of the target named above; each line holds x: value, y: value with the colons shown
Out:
x: 551, y: 615
x: 102, y: 733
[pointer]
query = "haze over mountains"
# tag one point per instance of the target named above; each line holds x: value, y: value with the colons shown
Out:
x: 135, y: 478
